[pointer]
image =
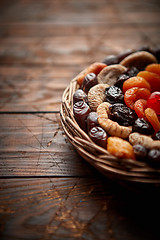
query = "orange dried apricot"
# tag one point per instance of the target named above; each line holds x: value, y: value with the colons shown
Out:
x: 136, y: 82
x: 120, y: 148
x: 152, y: 78
x: 154, y: 68
x: 139, y: 107
x: 135, y: 93
x: 152, y: 118
x: 93, y: 68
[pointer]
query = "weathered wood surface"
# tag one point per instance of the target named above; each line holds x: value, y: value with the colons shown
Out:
x: 47, y: 191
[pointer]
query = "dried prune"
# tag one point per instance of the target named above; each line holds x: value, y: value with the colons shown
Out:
x: 154, y: 158
x: 89, y: 81
x: 140, y: 152
x: 157, y: 136
x: 122, y: 114
x: 81, y: 111
x: 114, y: 94
x: 123, y: 77
x: 98, y: 136
x: 142, y: 126
x: 79, y: 95
x: 111, y: 59
x: 124, y: 54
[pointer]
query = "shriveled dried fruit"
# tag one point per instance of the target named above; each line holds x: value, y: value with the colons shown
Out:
x: 96, y: 95
x: 98, y: 136
x: 120, y: 148
x: 152, y: 78
x: 120, y: 113
x: 146, y: 141
x: 154, y: 68
x: 89, y: 81
x: 152, y: 118
x: 81, y: 111
x: 93, y: 68
x: 139, y: 107
x: 142, y: 126
x: 111, y: 127
x: 154, y: 158
x: 136, y: 82
x: 114, y: 95
x: 140, y: 152
x: 135, y: 93
x: 139, y: 60
x: 79, y: 95
x: 110, y: 74
x: 154, y: 102
x: 92, y: 120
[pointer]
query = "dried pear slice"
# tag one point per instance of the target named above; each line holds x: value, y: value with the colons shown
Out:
x: 139, y: 60
x: 96, y: 95
x: 110, y: 74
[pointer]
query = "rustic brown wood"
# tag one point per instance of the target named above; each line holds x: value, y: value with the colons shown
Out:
x: 79, y: 208
x: 37, y: 146
x: 47, y: 191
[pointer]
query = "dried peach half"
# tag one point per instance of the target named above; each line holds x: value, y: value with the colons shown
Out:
x: 135, y: 93
x: 120, y: 148
x: 152, y: 118
x: 93, y: 68
x: 152, y: 78
x: 136, y: 82
x: 139, y: 107
x: 154, y: 68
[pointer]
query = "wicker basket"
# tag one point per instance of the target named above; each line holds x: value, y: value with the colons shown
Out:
x: 122, y: 170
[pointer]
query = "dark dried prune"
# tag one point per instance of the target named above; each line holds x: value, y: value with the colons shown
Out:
x: 154, y: 158
x: 120, y: 80
x: 140, y: 152
x: 111, y: 59
x: 114, y: 94
x: 122, y: 114
x: 124, y: 54
x: 142, y: 126
x: 132, y: 71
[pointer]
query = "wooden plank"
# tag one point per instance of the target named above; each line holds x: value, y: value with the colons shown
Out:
x: 35, y: 145
x: 33, y: 88
x: 75, y: 208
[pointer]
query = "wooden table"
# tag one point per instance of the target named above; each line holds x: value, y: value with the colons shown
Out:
x: 47, y: 191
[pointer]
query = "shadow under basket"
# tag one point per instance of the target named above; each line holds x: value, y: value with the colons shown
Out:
x: 131, y: 173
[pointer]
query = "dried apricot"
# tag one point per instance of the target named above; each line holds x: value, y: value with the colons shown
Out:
x: 139, y: 107
x: 154, y: 68
x: 93, y: 68
x: 120, y: 148
x: 136, y: 82
x: 135, y: 93
x: 152, y: 78
x: 152, y: 118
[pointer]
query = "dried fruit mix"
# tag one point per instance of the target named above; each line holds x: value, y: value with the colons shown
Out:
x: 118, y: 100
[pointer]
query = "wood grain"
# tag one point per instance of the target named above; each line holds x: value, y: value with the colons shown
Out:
x: 35, y: 145
x: 79, y: 208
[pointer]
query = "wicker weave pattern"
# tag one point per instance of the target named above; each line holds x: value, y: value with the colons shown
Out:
x: 127, y: 170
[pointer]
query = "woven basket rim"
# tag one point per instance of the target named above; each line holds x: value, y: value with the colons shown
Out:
x: 127, y: 170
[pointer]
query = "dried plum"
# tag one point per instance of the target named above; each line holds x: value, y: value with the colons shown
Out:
x: 122, y: 114
x: 142, y: 126
x: 154, y: 158
x: 114, y: 94
x: 140, y: 152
